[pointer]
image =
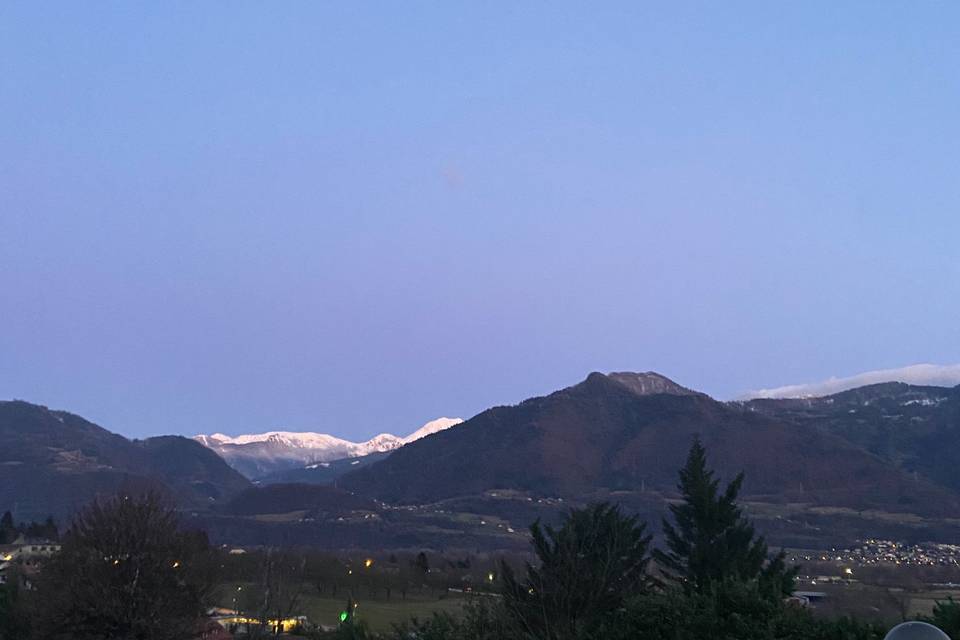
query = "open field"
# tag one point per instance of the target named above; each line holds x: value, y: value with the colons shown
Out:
x: 379, y: 614
x: 873, y: 602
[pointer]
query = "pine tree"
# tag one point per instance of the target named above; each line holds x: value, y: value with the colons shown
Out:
x: 8, y: 531
x: 588, y: 568
x: 711, y: 541
x: 422, y: 563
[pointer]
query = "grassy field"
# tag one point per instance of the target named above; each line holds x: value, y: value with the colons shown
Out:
x: 379, y: 614
x: 871, y: 602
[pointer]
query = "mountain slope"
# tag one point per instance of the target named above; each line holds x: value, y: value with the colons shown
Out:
x: 631, y: 432
x: 264, y: 454
x: 51, y: 462
x: 323, y: 473
x: 914, y: 428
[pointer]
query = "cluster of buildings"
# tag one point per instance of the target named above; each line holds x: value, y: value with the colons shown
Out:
x: 889, y: 552
x: 876, y: 551
x: 223, y: 623
x: 22, y: 558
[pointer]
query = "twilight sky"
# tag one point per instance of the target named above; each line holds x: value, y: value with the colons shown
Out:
x: 356, y: 217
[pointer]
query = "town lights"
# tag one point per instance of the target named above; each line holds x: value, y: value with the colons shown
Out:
x: 368, y: 563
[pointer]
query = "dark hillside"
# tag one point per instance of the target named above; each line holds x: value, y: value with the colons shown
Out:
x: 603, y: 433
x: 52, y: 462
x: 914, y: 428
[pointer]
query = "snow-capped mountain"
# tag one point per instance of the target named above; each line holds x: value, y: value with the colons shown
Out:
x: 430, y: 428
x: 256, y: 455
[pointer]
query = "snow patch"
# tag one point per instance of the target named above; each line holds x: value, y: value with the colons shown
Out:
x: 310, y: 447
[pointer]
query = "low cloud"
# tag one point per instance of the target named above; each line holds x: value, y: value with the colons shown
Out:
x: 919, y: 374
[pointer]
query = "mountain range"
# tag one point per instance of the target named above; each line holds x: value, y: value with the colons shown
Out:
x: 263, y: 454
x: 874, y: 461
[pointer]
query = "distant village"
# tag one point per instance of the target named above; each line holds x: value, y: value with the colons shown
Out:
x: 889, y: 552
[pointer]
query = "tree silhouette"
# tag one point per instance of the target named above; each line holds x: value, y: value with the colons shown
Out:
x: 588, y: 567
x: 422, y: 563
x: 126, y: 571
x: 8, y: 530
x: 711, y: 541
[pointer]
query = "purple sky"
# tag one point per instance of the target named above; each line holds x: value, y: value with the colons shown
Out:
x: 357, y: 217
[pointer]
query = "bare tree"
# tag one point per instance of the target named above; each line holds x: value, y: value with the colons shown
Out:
x: 127, y: 571
x: 277, y: 594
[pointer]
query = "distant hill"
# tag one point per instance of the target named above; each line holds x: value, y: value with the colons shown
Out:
x: 287, y: 498
x: 51, y: 462
x: 263, y: 454
x: 820, y: 472
x: 322, y: 473
x: 914, y: 428
x: 631, y: 432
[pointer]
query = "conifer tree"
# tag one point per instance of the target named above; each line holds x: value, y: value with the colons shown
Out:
x: 588, y: 567
x: 710, y: 540
x: 8, y: 530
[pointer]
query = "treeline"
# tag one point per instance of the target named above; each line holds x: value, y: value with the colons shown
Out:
x: 377, y: 576
x: 127, y: 571
x: 10, y: 530
x: 597, y: 578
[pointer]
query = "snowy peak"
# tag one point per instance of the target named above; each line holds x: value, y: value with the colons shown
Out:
x: 382, y: 442
x: 297, y: 439
x: 432, y: 427
x: 257, y: 454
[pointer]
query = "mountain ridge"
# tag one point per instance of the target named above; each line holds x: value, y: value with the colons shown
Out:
x: 823, y: 470
x: 263, y: 454
x: 601, y: 433
x: 54, y: 461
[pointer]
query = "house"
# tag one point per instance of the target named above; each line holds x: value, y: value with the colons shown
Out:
x: 24, y: 548
x: 236, y: 622
x: 806, y: 598
x: 25, y: 554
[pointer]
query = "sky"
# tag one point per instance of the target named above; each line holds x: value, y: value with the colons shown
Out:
x: 356, y: 217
